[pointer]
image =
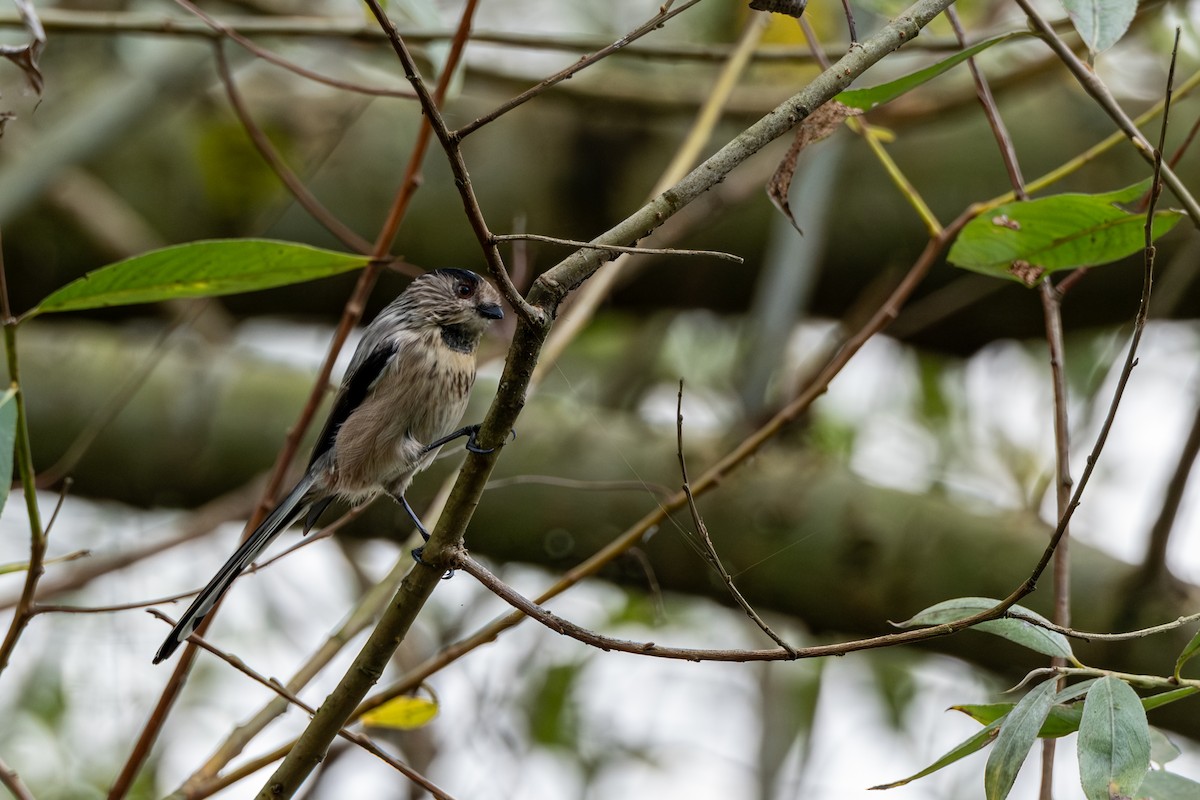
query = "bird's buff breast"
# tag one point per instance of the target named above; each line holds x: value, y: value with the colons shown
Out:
x: 383, y: 442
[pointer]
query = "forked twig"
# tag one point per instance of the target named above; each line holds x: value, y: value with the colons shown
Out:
x: 351, y: 736
x: 710, y: 552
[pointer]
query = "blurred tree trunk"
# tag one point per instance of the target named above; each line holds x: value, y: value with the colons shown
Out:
x: 803, y: 537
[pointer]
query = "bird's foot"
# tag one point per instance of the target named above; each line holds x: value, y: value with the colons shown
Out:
x: 418, y: 554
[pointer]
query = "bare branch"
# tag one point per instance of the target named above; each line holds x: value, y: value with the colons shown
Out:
x: 10, y: 780
x: 612, y: 248
x: 351, y: 736
x: 262, y: 143
x: 710, y: 552
x: 654, y: 23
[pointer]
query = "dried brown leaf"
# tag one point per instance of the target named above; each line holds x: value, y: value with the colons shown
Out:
x: 26, y: 57
x: 815, y: 127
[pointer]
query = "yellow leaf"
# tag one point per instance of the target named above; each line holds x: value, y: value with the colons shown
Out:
x: 402, y: 713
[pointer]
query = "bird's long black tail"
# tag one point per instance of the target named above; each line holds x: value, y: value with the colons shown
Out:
x: 283, y: 515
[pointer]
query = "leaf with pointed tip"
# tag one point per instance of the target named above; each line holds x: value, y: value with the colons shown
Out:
x: 1027, y: 239
x: 1189, y: 652
x: 973, y: 745
x: 1062, y: 720
x: 1100, y: 23
x: 1020, y: 631
x: 199, y: 269
x: 873, y: 96
x: 1018, y: 732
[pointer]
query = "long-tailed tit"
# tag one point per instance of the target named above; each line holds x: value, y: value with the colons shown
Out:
x: 405, y: 390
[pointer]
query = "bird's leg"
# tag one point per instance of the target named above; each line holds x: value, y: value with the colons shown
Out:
x: 403, y: 501
x: 417, y: 552
x: 472, y: 434
x: 470, y: 431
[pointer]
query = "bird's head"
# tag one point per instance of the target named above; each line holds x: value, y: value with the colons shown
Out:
x: 456, y: 301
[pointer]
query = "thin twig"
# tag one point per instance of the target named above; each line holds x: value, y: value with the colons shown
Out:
x: 106, y: 412
x: 1095, y: 87
x: 351, y: 736
x: 133, y: 605
x: 435, y: 123
x: 1139, y: 324
x: 23, y: 454
x: 585, y: 302
x: 311, y: 538
x: 1089, y: 636
x: 64, y: 20
x: 709, y: 551
x: 10, y: 780
x: 612, y: 248
x: 1154, y: 562
x: 1056, y: 348
x: 305, y: 198
x: 199, y: 522
x: 62, y: 498
x: 654, y: 23
x: 999, y: 130
x: 1143, y: 681
x: 1156, y: 550
x: 232, y: 34
x: 581, y: 485
x: 526, y: 607
x: 21, y: 566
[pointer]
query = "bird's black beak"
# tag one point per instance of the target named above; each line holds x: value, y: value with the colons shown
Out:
x: 490, y: 310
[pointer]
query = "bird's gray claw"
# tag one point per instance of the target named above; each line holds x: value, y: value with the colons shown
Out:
x: 473, y: 442
x: 418, y: 554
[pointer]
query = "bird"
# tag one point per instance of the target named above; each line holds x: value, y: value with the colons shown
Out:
x: 403, y: 394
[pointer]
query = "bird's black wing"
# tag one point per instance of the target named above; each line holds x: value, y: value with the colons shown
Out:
x: 354, y: 390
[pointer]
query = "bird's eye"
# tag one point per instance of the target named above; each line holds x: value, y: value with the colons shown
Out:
x: 464, y: 290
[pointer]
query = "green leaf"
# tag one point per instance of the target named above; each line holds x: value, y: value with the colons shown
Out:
x: 199, y: 269
x: 1018, y: 732
x: 1062, y: 720
x: 973, y: 745
x: 1114, y: 741
x: 1101, y: 23
x: 1161, y: 785
x: 1162, y: 750
x: 8, y: 440
x: 1026, y: 239
x: 1019, y: 631
x: 873, y: 96
x: 1189, y: 652
x: 1162, y: 698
